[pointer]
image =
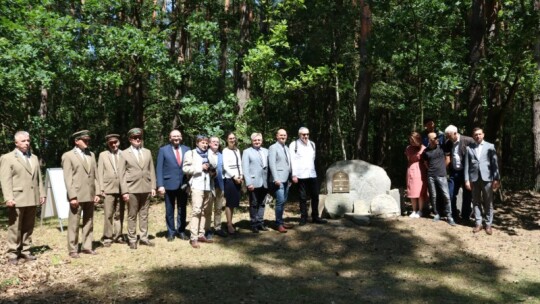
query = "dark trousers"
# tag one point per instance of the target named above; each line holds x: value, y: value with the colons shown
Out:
x: 456, y: 181
x: 308, y: 188
x: 256, y: 206
x: 175, y: 198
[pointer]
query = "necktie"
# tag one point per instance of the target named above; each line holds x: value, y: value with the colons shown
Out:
x: 139, y: 152
x: 27, y: 158
x: 178, y: 157
x: 262, y: 158
x: 286, y: 156
x: 86, y: 162
x: 115, y: 161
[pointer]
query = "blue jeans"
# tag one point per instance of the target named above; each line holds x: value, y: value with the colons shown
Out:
x: 456, y: 181
x: 439, y: 183
x: 175, y: 198
x: 281, y: 197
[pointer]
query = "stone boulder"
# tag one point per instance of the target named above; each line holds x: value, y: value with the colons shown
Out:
x: 384, y: 205
x: 366, y: 181
x: 337, y: 204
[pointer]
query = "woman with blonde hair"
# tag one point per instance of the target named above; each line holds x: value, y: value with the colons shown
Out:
x: 416, y: 174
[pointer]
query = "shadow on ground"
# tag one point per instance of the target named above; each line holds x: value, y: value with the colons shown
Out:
x: 334, y: 263
x: 519, y: 210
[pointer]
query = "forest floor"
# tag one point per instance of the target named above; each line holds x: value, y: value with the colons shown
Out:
x: 398, y: 260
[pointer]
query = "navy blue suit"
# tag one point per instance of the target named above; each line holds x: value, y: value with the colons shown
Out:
x: 170, y: 176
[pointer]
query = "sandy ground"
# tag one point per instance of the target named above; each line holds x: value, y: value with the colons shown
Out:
x: 381, y: 262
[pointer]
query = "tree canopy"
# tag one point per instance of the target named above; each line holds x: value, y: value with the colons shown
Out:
x: 359, y: 74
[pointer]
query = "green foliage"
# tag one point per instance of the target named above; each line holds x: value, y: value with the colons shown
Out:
x: 110, y: 65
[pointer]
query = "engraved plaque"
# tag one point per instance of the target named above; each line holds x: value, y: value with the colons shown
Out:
x: 340, y: 182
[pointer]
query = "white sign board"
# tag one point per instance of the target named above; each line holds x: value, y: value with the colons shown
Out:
x: 57, y: 203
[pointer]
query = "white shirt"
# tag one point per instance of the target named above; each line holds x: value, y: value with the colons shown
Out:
x: 456, y: 159
x: 232, y: 163
x: 479, y: 149
x: 138, y: 153
x: 303, y: 159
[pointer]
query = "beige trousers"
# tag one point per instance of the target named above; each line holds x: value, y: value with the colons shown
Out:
x: 199, y: 201
x: 74, y: 217
x: 215, y: 204
x: 138, y: 206
x: 113, y: 218
x: 20, y: 227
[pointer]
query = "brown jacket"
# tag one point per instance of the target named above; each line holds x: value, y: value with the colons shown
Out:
x: 108, y: 176
x: 80, y: 182
x: 137, y: 178
x: 21, y: 182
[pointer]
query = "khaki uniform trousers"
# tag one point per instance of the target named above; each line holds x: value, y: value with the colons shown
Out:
x: 87, y: 235
x: 113, y: 220
x: 138, y: 205
x: 215, y: 204
x: 20, y: 227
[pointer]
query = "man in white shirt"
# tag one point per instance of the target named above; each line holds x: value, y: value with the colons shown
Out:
x: 303, y: 173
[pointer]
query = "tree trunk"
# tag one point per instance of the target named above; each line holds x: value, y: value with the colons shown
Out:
x: 380, y: 142
x: 364, y: 83
x: 477, y: 52
x: 223, y: 43
x: 536, y: 117
x: 242, y: 80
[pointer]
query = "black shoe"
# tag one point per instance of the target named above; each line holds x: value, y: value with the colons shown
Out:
x: 254, y: 229
x: 28, y: 257
x: 209, y: 235
x: 319, y: 221
x: 183, y: 236
x: 263, y: 228
x: 221, y: 233
x: 303, y: 222
x: 170, y: 238
x: 147, y: 243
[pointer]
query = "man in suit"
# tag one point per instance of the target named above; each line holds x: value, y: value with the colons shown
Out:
x: 455, y: 149
x: 109, y: 188
x: 138, y: 172
x: 482, y: 176
x: 79, y: 167
x: 255, y: 165
x: 216, y: 202
x: 172, y: 183
x: 279, y: 162
x: 304, y: 174
x: 22, y: 187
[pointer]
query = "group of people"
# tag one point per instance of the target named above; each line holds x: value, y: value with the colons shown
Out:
x: 128, y: 178
x: 441, y: 167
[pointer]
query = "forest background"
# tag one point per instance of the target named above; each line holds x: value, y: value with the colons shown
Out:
x: 359, y: 74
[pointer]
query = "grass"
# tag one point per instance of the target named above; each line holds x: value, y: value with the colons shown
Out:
x: 391, y: 261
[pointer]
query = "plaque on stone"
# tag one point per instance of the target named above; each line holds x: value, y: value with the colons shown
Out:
x: 340, y: 182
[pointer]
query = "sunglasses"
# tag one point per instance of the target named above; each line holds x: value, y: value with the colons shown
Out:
x: 113, y: 142
x: 305, y: 134
x: 136, y: 138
